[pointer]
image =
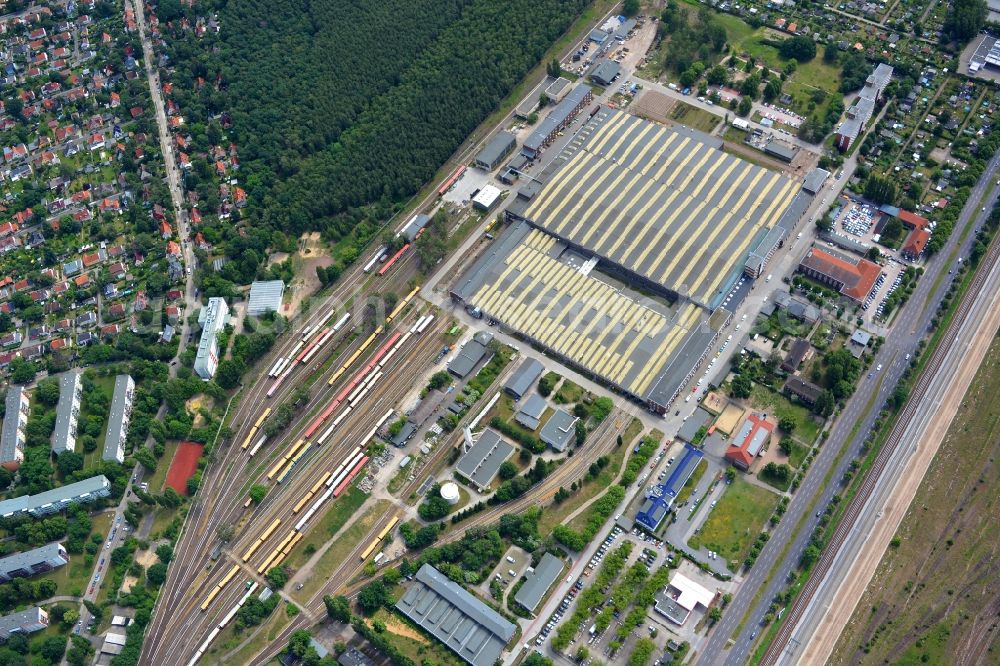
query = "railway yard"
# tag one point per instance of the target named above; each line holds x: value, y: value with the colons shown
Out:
x: 614, y: 334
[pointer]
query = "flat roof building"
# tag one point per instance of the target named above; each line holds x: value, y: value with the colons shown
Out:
x: 751, y: 439
x: 482, y: 461
x: 689, y: 428
x: 57, y: 499
x: 414, y: 226
x: 531, y: 411
x: 121, y: 412
x: 12, y: 436
x: 471, y: 353
x: 523, y: 378
x: 499, y: 147
x: 606, y: 72
x: 354, y: 657
x: 67, y: 411
x: 660, y: 497
x: 535, y: 286
x: 28, y: 621
x: 781, y: 150
x: 863, y: 108
x: 212, y: 319
x: 265, y: 297
x: 665, y: 205
x: 31, y: 562
x: 486, y: 198
x: 851, y: 276
x: 538, y: 582
x: 462, y: 622
x: 559, y: 430
x: 681, y: 597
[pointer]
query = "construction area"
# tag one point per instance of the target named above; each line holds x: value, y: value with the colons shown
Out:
x: 619, y: 255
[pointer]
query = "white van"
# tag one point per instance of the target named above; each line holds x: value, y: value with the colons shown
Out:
x: 510, y: 559
x: 769, y: 278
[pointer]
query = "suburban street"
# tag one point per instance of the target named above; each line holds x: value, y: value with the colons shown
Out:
x: 849, y: 430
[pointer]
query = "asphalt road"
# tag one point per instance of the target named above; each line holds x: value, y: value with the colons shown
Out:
x: 816, y: 631
x: 909, y: 327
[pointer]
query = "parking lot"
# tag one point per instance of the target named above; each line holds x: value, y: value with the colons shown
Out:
x: 886, y: 284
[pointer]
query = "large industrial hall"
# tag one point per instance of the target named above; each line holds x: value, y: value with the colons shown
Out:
x: 618, y: 258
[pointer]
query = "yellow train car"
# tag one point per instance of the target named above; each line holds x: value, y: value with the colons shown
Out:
x: 270, y: 530
x: 210, y: 598
x: 402, y: 304
x: 387, y: 528
x: 277, y: 468
x: 252, y: 549
x: 229, y: 576
x: 260, y: 421
x: 250, y: 435
x: 370, y: 549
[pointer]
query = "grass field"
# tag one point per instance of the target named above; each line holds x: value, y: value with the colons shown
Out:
x: 736, y: 520
x: 806, y: 427
x: 335, y: 555
x: 74, y: 578
x: 343, y: 508
x: 568, y: 393
x: 695, y: 118
x: 162, y: 466
x: 413, y: 644
x: 265, y: 633
x: 797, y: 455
x: 934, y: 594
x: 555, y: 514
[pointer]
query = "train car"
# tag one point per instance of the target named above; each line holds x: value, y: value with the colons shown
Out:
x: 388, y: 528
x: 249, y: 438
x: 307, y: 331
x: 229, y: 576
x: 261, y: 419
x: 277, y: 468
x: 392, y: 260
x: 369, y: 550
x: 251, y: 550
x: 379, y: 254
x: 402, y: 304
x: 452, y: 179
x: 270, y: 530
x: 246, y: 505
x: 427, y: 322
x: 210, y: 598
x: 256, y: 447
x: 274, y: 368
x: 340, y: 322
x: 350, y: 477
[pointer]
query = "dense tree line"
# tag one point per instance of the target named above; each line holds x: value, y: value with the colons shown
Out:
x: 965, y: 18
x: 343, y: 110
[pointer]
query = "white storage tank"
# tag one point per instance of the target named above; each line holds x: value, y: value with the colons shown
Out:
x: 449, y: 491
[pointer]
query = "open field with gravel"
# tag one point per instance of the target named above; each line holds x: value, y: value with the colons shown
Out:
x: 935, y: 597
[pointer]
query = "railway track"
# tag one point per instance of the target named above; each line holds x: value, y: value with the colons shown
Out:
x: 889, y: 449
x: 229, y: 472
x: 185, y: 623
x: 603, y: 439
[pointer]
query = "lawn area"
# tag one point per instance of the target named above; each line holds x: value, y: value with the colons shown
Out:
x: 73, y: 578
x: 350, y: 538
x: 797, y: 454
x: 568, y: 393
x: 695, y: 118
x: 933, y: 594
x: 342, y: 509
x: 265, y: 633
x: 105, y: 385
x: 736, y: 520
x: 412, y: 643
x: 162, y: 466
x: 692, y: 482
x: 806, y: 427
x: 555, y: 514
x: 161, y: 520
x: 736, y: 30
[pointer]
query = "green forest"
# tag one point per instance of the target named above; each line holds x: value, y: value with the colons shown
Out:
x: 343, y: 110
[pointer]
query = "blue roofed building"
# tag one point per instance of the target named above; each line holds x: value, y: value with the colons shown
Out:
x: 660, y: 497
